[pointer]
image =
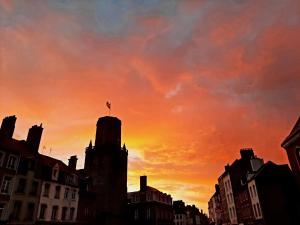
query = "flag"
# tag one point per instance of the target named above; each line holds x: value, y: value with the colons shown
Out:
x: 108, y: 104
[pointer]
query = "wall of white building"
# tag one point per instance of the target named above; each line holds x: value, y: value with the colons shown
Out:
x: 230, y: 199
x: 256, y: 207
x: 68, y: 201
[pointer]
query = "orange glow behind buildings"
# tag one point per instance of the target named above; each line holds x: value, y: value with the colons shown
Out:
x: 192, y: 82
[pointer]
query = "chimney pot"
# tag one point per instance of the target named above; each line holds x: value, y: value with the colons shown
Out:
x: 34, y: 137
x: 143, y: 183
x: 8, y: 126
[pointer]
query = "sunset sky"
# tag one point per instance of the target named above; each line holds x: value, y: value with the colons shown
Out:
x: 192, y: 81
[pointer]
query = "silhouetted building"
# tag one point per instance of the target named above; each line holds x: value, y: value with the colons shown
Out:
x: 58, y: 202
x: 231, y: 186
x: 24, y: 174
x: 254, y: 193
x: 215, y: 207
x: 180, y: 217
x: 103, y: 192
x: 292, y: 146
x: 273, y: 195
x: 19, y: 188
x: 149, y: 206
x: 195, y: 217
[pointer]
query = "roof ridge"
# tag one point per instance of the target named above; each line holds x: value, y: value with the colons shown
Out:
x: 296, y: 127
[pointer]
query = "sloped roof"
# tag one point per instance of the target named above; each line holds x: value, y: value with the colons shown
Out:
x: 49, y: 161
x: 267, y: 167
x: 152, y: 189
x: 16, y: 146
x: 295, y: 130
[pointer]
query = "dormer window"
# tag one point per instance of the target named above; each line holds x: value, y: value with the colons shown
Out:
x: 55, y: 172
x: 12, y: 162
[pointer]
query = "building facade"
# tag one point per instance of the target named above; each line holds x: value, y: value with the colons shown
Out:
x: 59, y: 196
x: 149, y: 206
x: 254, y: 193
x: 233, y: 190
x: 9, y: 163
x: 180, y: 217
x: 273, y: 194
x: 24, y: 173
x: 215, y: 207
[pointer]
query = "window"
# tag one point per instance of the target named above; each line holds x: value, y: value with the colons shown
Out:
x: 72, y: 211
x: 21, y: 186
x: 2, y: 207
x: 136, y: 214
x: 233, y: 211
x: 148, y: 214
x: 64, y: 213
x: 6, y: 185
x: 2, y: 155
x: 254, y: 190
x: 73, y: 194
x: 46, y: 190
x: 54, y: 212
x: 57, y: 192
x: 12, y: 162
x: 43, y: 211
x: 16, y: 210
x: 30, y: 211
x: 34, y: 188
x: 55, y: 172
x: 255, y: 212
x: 67, y: 190
x: 86, y: 212
x: 31, y: 164
x: 258, y: 210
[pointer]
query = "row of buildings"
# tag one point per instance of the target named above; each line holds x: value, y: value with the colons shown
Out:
x: 252, y: 192
x: 149, y: 206
x: 34, y: 188
x: 38, y: 189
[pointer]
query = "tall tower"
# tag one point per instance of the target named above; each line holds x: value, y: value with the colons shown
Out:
x: 106, y: 167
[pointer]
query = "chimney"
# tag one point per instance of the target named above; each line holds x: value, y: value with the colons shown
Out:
x: 73, y: 162
x: 8, y: 126
x: 143, y: 183
x: 247, y: 153
x: 227, y: 167
x: 34, y: 137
